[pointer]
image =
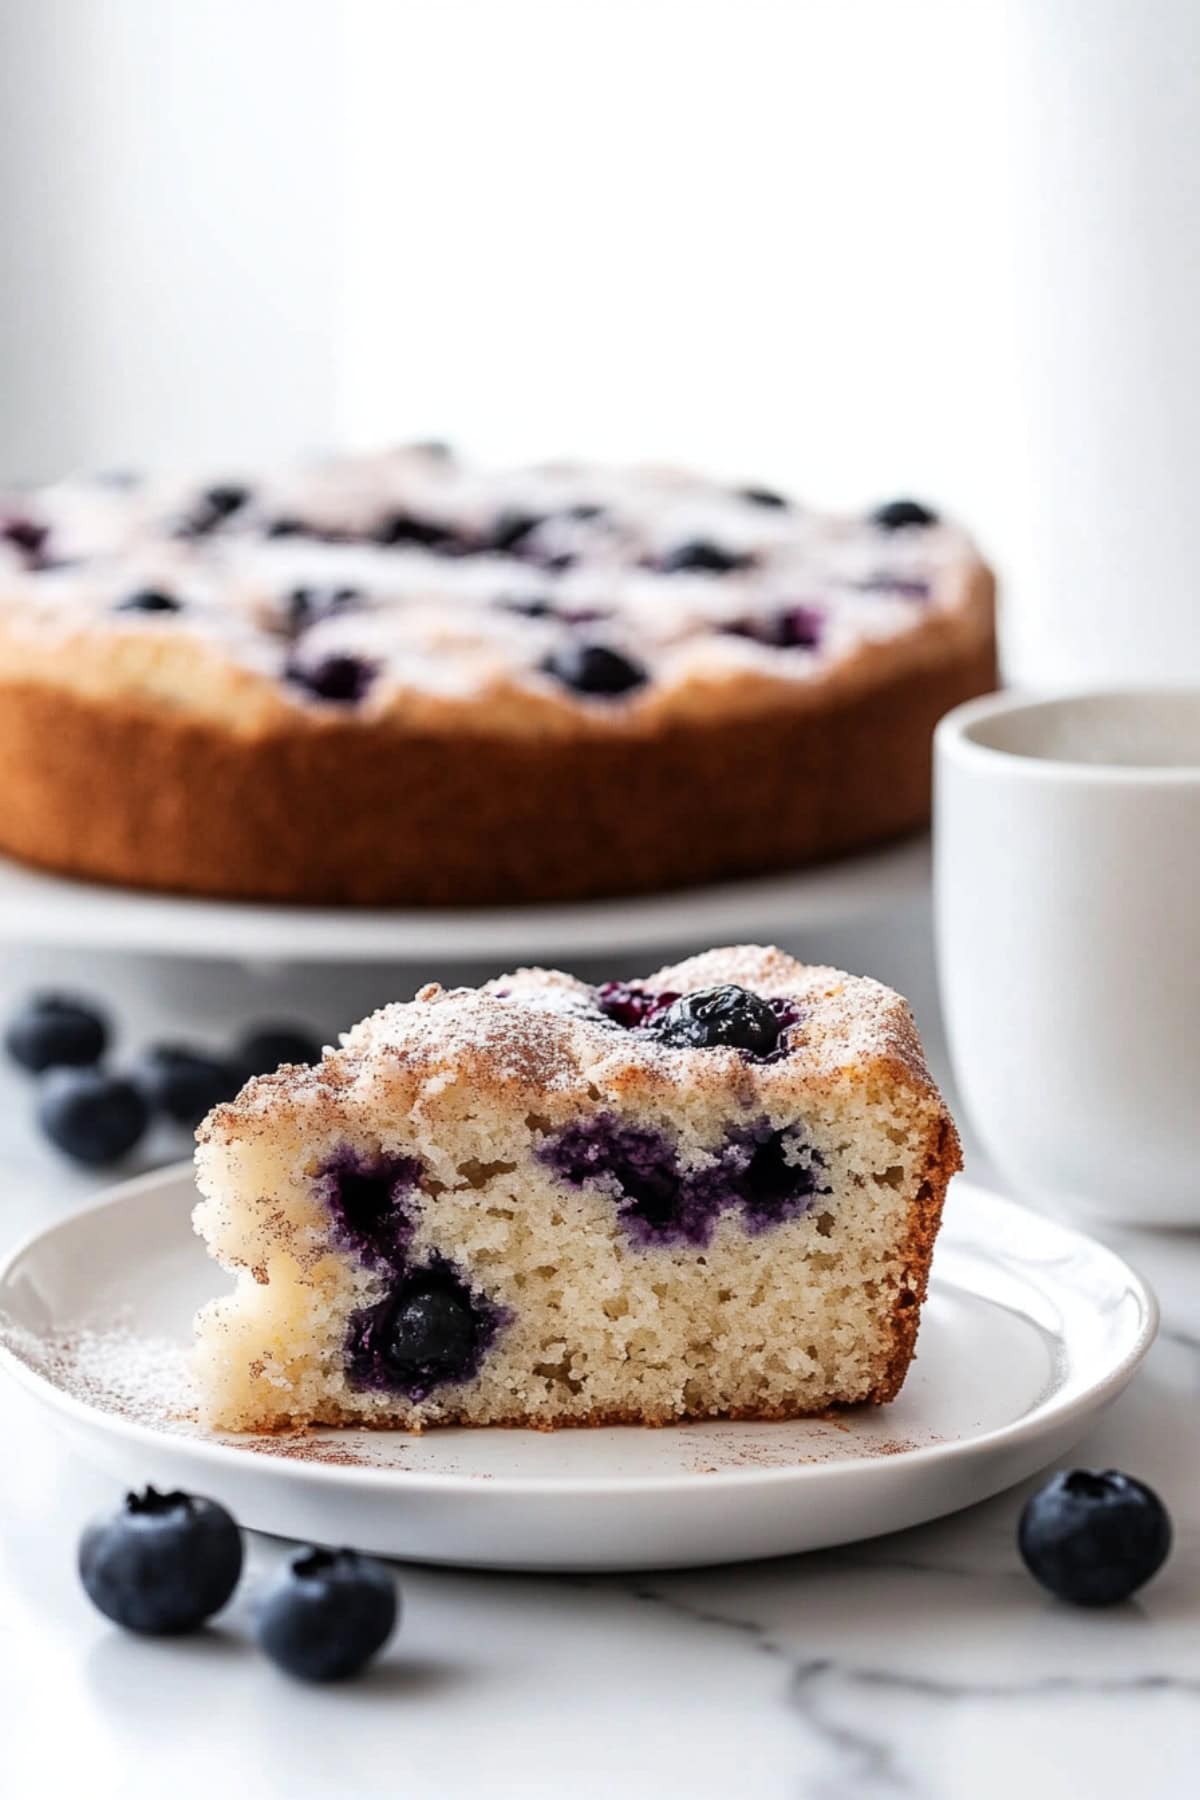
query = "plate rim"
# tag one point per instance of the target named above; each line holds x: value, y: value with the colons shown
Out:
x: 1042, y: 1420
x: 52, y: 909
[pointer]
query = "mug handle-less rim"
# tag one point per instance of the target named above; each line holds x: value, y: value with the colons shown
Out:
x: 957, y: 738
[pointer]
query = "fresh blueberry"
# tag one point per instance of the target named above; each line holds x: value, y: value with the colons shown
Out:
x: 164, y: 1564
x: 271, y: 1047
x: 150, y: 600
x: 304, y: 606
x: 429, y: 1329
x: 402, y: 528
x: 762, y: 496
x: 54, y: 1030
x: 182, y: 1083
x: 594, y: 669
x: 701, y: 554
x: 345, y: 679
x: 225, y: 498
x: 90, y: 1116
x: 631, y: 1006
x: 792, y: 628
x: 1093, y: 1538
x: 730, y: 1016
x: 328, y: 1614
x: 26, y: 535
x: 511, y: 529
x: 432, y: 1333
x: 896, y: 515
x: 212, y: 508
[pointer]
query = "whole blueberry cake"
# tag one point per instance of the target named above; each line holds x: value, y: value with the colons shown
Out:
x: 710, y: 1194
x: 403, y: 679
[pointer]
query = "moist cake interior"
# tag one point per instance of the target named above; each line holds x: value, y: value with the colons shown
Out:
x: 542, y: 1203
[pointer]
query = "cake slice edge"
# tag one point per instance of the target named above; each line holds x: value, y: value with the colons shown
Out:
x: 268, y: 1353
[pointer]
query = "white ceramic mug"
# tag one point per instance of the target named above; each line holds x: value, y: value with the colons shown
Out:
x: 1067, y: 876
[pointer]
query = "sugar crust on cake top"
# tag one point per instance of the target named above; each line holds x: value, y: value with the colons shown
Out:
x: 402, y: 586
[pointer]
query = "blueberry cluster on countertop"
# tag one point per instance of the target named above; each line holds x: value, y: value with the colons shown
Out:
x: 95, y: 1114
x: 580, y: 578
x: 164, y: 1564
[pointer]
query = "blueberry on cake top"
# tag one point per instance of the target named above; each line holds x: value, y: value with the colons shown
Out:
x: 284, y: 685
x: 713, y: 1193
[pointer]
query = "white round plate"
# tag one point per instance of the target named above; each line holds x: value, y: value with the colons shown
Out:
x: 1030, y: 1329
x: 38, y: 908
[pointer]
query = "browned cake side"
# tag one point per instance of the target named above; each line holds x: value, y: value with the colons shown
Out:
x: 338, y: 810
x: 401, y: 678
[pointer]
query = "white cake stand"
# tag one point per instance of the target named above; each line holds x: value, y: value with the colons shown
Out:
x: 38, y: 909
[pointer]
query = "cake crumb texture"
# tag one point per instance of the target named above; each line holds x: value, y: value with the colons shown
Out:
x: 618, y: 1229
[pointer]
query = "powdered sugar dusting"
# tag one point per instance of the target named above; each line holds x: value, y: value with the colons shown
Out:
x: 460, y: 583
x: 545, y: 1029
x: 145, y: 1379
x: 829, y: 1440
x: 115, y: 1370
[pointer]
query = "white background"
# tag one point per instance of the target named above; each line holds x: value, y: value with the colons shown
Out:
x: 859, y: 247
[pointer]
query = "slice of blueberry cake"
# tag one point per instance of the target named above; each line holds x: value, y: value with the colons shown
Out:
x: 710, y: 1194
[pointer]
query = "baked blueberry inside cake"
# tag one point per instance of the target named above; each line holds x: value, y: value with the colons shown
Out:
x: 713, y: 1193
x: 578, y: 680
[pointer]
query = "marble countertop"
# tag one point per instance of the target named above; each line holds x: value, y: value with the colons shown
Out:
x: 923, y: 1664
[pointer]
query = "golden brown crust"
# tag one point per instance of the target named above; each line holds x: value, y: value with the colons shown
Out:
x: 376, y: 815
x: 593, y: 1421
x: 944, y: 1160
